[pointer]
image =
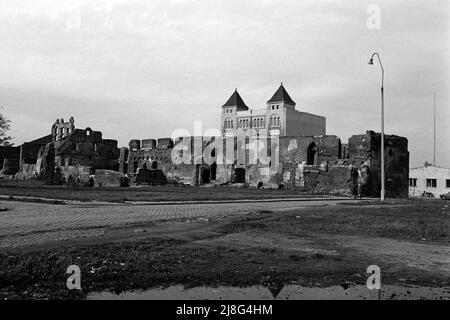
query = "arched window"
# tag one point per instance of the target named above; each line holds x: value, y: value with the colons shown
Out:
x: 312, y: 151
x: 278, y: 121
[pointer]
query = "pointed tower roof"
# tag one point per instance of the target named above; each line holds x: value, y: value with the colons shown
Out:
x: 281, y: 95
x: 236, y: 101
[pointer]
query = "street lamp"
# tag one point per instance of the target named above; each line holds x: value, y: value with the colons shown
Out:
x: 382, y: 122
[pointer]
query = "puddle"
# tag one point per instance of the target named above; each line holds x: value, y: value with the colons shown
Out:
x: 289, y: 292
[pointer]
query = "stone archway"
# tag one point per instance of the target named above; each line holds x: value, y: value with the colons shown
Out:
x: 312, y: 153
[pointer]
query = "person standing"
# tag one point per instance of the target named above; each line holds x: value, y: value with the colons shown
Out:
x: 363, y: 178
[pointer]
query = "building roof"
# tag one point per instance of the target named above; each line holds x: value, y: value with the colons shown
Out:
x: 281, y: 95
x: 236, y: 101
x: 43, y: 140
x: 430, y: 167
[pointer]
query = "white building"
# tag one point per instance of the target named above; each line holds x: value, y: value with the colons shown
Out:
x: 435, y: 180
x: 278, y: 118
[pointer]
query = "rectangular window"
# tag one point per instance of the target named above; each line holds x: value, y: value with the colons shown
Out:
x: 447, y: 183
x: 413, y: 182
x: 431, y: 183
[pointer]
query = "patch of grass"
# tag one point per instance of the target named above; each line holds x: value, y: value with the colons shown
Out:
x: 148, y: 193
x: 411, y: 221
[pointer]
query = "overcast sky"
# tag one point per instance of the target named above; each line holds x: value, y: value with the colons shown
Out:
x: 141, y: 69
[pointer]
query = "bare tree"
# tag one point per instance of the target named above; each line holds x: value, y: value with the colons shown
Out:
x: 5, y: 140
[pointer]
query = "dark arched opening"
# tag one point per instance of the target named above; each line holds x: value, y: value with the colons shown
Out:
x: 312, y: 154
x: 154, y: 165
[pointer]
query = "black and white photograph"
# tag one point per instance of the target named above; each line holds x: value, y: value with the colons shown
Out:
x: 224, y: 155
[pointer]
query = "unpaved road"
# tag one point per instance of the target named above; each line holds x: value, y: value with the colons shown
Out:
x: 308, y: 243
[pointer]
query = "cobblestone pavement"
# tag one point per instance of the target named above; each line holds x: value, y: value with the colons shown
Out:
x: 34, y: 223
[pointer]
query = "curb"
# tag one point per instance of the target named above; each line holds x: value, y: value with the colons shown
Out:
x: 142, y: 203
x: 137, y: 203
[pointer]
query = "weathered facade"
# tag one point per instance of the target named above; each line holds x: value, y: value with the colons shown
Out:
x: 74, y: 155
x: 309, y: 163
x: 429, y: 181
x: 276, y: 147
x: 278, y: 118
x: 9, y: 160
x: 21, y: 160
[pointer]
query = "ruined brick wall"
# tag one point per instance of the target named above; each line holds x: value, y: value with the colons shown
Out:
x: 298, y: 152
x: 45, y: 165
x: 165, y: 143
x: 29, y: 153
x: 157, y: 159
x: 10, y: 167
x: 12, y: 156
x: 150, y: 177
x: 294, y: 150
x: 75, y: 150
x: 27, y: 171
x: 148, y: 144
x: 108, y: 178
x: 75, y: 155
x: 367, y: 147
x: 311, y: 164
x: 330, y: 179
x: 123, y: 159
x: 76, y: 175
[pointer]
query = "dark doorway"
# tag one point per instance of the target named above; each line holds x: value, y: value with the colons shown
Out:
x: 213, y: 171
x: 154, y: 165
x: 206, y: 176
x: 239, y: 175
x: 312, y: 154
x: 70, y: 181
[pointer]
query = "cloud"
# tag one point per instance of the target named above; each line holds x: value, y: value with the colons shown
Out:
x: 152, y: 67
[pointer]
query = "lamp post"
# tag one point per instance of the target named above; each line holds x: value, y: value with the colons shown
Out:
x: 382, y: 122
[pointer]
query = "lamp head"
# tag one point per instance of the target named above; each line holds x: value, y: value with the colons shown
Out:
x: 371, y: 61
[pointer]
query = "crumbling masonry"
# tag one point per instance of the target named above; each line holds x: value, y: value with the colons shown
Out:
x: 273, y: 147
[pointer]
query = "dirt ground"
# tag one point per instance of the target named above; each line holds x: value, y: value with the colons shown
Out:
x: 317, y: 246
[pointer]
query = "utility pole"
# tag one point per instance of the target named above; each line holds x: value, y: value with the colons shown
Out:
x: 434, y: 129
